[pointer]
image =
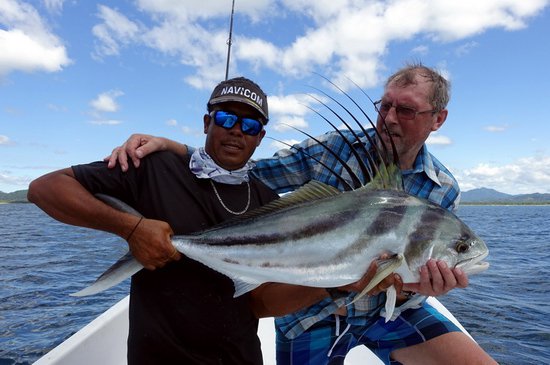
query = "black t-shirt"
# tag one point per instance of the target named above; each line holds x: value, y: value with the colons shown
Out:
x: 184, y: 313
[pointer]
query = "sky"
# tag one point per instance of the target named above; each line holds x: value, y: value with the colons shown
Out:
x: 78, y: 77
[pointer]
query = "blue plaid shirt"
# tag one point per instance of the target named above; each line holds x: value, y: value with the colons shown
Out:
x: 289, y: 169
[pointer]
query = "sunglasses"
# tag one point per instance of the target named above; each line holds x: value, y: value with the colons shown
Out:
x: 228, y: 120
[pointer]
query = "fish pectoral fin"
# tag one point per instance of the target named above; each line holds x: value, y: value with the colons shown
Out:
x: 242, y: 287
x: 391, y: 298
x: 385, y: 267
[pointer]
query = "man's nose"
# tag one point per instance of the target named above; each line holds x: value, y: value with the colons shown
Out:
x: 391, y: 115
x: 237, y: 129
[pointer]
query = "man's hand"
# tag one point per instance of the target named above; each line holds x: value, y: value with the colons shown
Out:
x: 436, y: 278
x: 136, y: 147
x: 358, y: 286
x: 150, y: 243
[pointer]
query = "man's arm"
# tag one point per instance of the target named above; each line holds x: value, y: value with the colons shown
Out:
x: 140, y: 145
x: 62, y: 197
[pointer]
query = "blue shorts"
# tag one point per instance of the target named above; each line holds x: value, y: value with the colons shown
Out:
x: 321, y: 345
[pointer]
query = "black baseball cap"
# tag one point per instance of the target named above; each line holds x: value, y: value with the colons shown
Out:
x: 242, y: 90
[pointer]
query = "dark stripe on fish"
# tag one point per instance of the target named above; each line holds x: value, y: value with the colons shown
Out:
x: 426, y: 230
x: 320, y: 227
x: 388, y: 218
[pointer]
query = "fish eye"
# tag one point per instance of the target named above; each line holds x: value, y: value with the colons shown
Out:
x: 462, y: 246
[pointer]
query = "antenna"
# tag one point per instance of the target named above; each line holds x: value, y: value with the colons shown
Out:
x: 229, y: 40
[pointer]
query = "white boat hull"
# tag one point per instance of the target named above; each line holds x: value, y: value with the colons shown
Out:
x: 103, y: 341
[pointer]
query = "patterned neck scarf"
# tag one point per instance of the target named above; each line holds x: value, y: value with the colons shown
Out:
x: 204, y: 167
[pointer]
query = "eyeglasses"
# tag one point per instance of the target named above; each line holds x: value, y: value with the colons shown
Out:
x: 402, y: 112
x: 228, y: 120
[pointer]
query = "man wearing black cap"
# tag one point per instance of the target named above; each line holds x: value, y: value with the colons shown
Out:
x: 180, y: 311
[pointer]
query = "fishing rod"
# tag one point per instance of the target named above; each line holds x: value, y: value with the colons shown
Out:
x: 229, y: 40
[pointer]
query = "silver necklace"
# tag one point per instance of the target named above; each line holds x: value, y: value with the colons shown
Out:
x: 225, y: 206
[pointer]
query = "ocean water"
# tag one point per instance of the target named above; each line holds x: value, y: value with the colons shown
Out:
x: 506, y: 309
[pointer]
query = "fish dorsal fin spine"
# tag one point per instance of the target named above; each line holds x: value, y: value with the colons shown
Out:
x: 382, y: 175
x: 313, y: 190
x: 388, y: 177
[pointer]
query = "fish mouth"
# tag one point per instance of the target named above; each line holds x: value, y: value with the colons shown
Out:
x: 474, y: 265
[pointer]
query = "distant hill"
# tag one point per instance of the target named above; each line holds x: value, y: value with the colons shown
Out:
x: 485, y: 195
x: 19, y: 196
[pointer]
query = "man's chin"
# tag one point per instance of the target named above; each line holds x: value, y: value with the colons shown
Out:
x: 232, y: 161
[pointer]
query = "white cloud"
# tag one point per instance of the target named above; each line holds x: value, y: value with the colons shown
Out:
x: 437, y: 139
x: 421, y: 50
x: 115, y: 30
x: 294, y: 104
x: 192, y: 132
x: 526, y: 175
x: 339, y: 38
x: 106, y: 102
x: 186, y: 130
x: 57, y: 108
x: 287, y: 111
x: 465, y: 48
x: 54, y: 6
x: 193, y: 10
x: 14, y: 182
x: 286, y: 143
x: 286, y: 122
x: 5, y: 141
x: 26, y: 41
x: 496, y: 128
x: 106, y: 122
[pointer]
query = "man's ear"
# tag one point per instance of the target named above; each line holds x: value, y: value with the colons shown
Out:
x: 206, y: 120
x: 261, y: 136
x: 441, y: 117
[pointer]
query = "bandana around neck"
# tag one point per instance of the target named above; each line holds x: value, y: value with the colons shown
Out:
x: 204, y: 167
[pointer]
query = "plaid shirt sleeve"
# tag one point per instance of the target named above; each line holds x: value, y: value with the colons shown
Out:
x: 291, y: 168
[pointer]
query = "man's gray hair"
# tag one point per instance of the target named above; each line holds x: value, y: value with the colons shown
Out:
x: 441, y: 88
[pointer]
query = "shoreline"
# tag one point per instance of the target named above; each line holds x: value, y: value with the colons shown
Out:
x: 505, y: 203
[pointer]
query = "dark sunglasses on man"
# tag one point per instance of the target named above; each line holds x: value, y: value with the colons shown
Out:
x: 228, y: 120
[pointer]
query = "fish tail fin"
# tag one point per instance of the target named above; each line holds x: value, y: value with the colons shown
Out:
x: 121, y: 270
x: 125, y: 267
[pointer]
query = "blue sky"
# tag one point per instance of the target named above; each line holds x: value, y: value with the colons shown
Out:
x: 78, y: 77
